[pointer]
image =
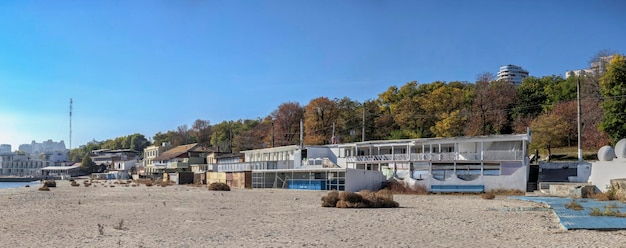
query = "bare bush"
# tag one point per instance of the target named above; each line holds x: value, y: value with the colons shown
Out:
x: 219, y: 187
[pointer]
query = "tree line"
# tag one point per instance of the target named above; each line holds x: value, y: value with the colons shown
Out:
x: 548, y: 105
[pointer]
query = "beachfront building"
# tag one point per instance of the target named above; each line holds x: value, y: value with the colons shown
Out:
x: 26, y: 165
x: 512, y: 73
x: 178, y: 159
x: 149, y: 153
x: 439, y: 164
x: 480, y: 163
x: 107, y: 157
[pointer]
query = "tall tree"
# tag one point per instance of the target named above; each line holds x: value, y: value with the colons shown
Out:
x: 549, y: 130
x: 287, y: 123
x: 160, y: 138
x: 613, y: 88
x: 319, y: 116
x: 349, y: 120
x: 490, y: 109
x: 201, y: 131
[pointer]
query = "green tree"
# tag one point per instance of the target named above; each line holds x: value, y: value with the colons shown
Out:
x: 549, y: 130
x: 613, y: 88
x: 159, y: 138
x: 88, y: 166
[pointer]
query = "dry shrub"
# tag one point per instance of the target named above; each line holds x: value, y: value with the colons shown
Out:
x: 508, y: 192
x: 219, y: 187
x: 574, y: 205
x: 75, y: 184
x: 44, y: 188
x: 600, y: 196
x: 488, y: 195
x: 112, y: 186
x: 398, y: 187
x: 50, y: 183
x: 134, y: 185
x: 330, y: 200
x: 608, y: 211
x: 88, y: 184
x: 364, y: 199
x: 27, y: 186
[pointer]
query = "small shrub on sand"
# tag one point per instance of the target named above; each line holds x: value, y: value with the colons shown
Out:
x: 75, y: 184
x: 488, y: 195
x: 219, y: 187
x: 574, y: 205
x: 363, y: 199
x: 44, y: 188
x: 50, y: 183
x: 27, y: 186
x: 330, y: 200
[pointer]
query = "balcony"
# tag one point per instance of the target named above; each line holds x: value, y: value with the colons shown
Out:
x: 448, y: 156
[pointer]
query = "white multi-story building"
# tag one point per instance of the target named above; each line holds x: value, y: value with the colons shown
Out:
x: 5, y: 148
x: 597, y: 67
x: 512, y: 73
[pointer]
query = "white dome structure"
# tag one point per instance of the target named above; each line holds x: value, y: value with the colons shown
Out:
x: 606, y: 153
x: 620, y: 149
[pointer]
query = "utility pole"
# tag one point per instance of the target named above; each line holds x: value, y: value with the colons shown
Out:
x: 301, y: 134
x: 272, y: 133
x: 580, y: 149
x: 332, y: 141
x: 363, y: 124
x: 70, y: 123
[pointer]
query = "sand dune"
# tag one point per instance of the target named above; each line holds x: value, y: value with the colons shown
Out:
x: 186, y: 216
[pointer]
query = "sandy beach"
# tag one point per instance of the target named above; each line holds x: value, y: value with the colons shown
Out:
x: 187, y: 216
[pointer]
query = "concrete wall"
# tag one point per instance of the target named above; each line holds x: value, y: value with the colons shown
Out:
x: 517, y: 180
x: 357, y: 180
x: 603, y: 171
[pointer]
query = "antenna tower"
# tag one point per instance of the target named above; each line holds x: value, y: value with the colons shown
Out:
x: 70, y: 123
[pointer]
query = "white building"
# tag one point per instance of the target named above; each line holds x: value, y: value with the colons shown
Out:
x: 597, y: 67
x: 440, y: 164
x: 4, y: 148
x: 512, y: 73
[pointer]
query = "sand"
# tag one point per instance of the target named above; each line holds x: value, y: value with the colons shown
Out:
x: 187, y: 216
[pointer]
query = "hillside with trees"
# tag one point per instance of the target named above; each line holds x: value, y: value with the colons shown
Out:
x: 547, y: 104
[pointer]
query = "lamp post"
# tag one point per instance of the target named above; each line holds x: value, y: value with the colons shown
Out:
x: 580, y: 149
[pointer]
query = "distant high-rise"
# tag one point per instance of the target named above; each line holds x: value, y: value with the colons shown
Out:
x: 512, y: 73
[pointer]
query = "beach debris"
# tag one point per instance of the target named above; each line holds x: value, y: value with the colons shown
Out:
x: 120, y: 226
x: 101, y: 229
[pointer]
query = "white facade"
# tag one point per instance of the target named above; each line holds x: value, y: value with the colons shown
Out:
x: 124, y: 165
x: 486, y: 162
x: 512, y: 73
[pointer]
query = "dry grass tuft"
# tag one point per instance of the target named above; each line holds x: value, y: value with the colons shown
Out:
x: 44, y: 188
x: 219, y: 187
x: 397, y: 187
x: 50, y: 183
x: 488, y: 195
x: 574, y: 205
x: 75, y: 184
x: 330, y: 200
x: 608, y: 211
x: 508, y: 192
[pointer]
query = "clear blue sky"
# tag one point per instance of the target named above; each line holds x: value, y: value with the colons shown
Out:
x: 149, y: 66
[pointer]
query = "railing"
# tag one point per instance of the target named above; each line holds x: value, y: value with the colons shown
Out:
x: 447, y: 156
